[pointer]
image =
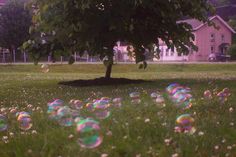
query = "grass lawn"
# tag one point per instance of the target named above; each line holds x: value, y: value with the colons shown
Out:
x: 21, y: 85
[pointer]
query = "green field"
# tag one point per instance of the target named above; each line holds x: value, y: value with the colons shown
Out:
x: 21, y: 85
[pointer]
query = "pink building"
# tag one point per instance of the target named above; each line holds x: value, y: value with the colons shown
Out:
x: 2, y: 2
x: 208, y: 39
x: 211, y: 40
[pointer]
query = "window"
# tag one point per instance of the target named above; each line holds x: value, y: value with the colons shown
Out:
x: 223, y: 38
x: 212, y: 38
x: 167, y: 52
x: 212, y: 49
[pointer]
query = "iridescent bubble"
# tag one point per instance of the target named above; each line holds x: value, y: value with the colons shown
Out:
x: 88, y: 131
x: 24, y: 120
x: 160, y: 100
x: 101, y: 109
x: 223, y: 95
x: 44, y: 68
x: 154, y: 96
x: 3, y: 123
x: 64, y: 116
x: 185, y: 123
x: 53, y: 107
x: 208, y: 94
x: 226, y: 92
x: 135, y: 97
x: 117, y: 102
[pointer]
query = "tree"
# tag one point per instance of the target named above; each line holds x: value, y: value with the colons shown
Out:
x: 232, y: 22
x: 96, y: 26
x: 15, y: 22
x: 232, y: 51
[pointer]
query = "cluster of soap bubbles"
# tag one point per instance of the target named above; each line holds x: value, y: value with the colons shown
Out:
x: 222, y: 95
x: 45, y: 68
x: 101, y: 108
x: 135, y: 97
x: 181, y: 96
x: 88, y: 129
x: 3, y: 123
x: 24, y: 120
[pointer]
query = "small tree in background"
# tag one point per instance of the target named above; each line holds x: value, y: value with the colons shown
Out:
x: 232, y: 51
x: 96, y: 26
x: 15, y: 22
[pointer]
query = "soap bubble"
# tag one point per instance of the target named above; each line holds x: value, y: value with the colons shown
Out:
x: 154, y: 95
x: 24, y: 120
x: 101, y: 108
x: 185, y: 123
x: 160, y: 100
x: 53, y: 107
x: 135, y: 97
x: 223, y: 95
x: 45, y: 68
x: 3, y: 123
x: 208, y: 94
x: 64, y: 116
x: 88, y: 131
x: 117, y: 102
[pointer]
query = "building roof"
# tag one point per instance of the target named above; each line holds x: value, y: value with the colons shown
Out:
x: 193, y: 22
x: 196, y: 24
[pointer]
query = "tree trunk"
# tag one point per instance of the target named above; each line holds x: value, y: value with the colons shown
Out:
x: 108, y: 71
x: 109, y: 67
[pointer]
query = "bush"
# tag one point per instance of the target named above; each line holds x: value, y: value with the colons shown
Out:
x: 232, y: 52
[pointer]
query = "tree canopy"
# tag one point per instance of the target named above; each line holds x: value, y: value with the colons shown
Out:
x: 96, y: 25
x: 15, y: 22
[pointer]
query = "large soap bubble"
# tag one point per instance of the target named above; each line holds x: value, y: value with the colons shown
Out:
x: 88, y: 131
x: 24, y: 120
x: 64, y: 115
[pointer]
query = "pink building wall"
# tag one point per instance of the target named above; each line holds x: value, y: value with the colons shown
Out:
x: 204, y: 43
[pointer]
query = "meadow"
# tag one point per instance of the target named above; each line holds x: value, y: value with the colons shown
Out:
x: 133, y: 130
